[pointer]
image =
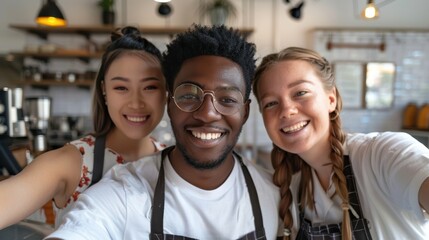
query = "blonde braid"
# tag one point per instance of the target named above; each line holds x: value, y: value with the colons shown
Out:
x: 337, y: 139
x: 282, y: 178
x: 306, y: 186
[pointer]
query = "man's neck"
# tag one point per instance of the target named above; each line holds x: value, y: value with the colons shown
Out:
x: 207, y: 179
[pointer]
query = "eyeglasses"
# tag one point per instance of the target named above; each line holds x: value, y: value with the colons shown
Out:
x: 189, y: 97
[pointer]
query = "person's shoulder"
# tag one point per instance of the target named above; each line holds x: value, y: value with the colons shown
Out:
x: 377, y: 135
x: 137, y: 171
x: 148, y: 160
x: 355, y: 140
x: 60, y: 156
x: 87, y: 140
x: 381, y: 144
x: 378, y: 138
x: 256, y: 169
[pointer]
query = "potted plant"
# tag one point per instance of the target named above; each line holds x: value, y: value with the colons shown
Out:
x: 107, y: 11
x: 219, y: 11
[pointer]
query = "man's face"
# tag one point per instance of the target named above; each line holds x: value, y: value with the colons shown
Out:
x: 205, y: 137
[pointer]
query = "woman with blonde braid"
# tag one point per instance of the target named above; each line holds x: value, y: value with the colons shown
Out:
x: 335, y: 185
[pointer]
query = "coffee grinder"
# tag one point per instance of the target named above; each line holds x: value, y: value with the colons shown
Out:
x: 38, y: 112
x: 12, y: 127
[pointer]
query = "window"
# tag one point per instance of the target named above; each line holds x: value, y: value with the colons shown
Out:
x: 365, y: 84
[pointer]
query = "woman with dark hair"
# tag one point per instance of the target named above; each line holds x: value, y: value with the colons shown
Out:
x: 335, y: 185
x: 128, y: 103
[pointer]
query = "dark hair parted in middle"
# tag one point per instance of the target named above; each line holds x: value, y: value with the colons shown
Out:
x: 209, y: 40
x: 127, y: 40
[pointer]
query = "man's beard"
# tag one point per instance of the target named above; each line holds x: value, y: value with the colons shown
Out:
x: 214, y: 163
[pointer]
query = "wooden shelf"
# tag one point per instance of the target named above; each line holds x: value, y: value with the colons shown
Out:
x: 87, y: 31
x: 45, y: 56
x: 52, y: 82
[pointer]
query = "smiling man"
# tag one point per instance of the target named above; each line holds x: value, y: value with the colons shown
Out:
x: 200, y: 188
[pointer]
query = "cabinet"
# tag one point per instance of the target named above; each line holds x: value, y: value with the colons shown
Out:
x: 84, y: 55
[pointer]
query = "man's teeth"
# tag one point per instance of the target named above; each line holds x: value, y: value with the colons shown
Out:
x: 206, y: 136
x: 136, y: 119
x: 295, y: 127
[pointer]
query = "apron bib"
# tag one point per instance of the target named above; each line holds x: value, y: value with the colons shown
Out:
x: 360, y: 229
x: 157, y: 221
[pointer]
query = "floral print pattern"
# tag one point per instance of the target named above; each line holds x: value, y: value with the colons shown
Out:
x: 85, y: 145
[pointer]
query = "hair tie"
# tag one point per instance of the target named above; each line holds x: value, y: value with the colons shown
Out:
x: 286, y: 232
x: 345, y: 206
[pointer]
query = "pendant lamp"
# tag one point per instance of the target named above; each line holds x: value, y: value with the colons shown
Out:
x: 370, y: 11
x: 50, y: 15
x: 296, y: 11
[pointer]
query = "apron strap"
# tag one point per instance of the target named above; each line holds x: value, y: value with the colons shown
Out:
x: 99, y: 148
x: 157, y: 221
x: 254, y: 200
x: 352, y: 188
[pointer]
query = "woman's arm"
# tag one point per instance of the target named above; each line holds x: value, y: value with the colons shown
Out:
x: 424, y: 195
x: 54, y: 174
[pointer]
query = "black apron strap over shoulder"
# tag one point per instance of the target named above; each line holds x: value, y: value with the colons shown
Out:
x: 157, y: 221
x: 99, y: 148
x: 254, y: 199
x: 352, y: 188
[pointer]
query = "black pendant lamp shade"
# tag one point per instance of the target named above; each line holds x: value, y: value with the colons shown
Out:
x: 51, y: 15
x: 295, y: 12
x: 164, y: 9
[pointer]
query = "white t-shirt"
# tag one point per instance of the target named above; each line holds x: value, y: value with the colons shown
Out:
x: 119, y: 206
x: 389, y: 169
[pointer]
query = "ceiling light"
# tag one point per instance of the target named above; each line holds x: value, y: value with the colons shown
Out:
x: 50, y: 15
x: 370, y: 11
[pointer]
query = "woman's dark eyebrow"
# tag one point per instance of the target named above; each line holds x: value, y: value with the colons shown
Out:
x: 119, y: 78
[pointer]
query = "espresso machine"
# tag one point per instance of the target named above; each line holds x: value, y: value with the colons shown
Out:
x: 12, y: 127
x: 37, y: 111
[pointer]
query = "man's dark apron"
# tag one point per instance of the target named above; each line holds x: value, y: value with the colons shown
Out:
x: 157, y: 221
x: 360, y: 229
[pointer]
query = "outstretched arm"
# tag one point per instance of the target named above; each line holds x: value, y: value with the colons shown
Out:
x: 54, y: 174
x: 424, y: 195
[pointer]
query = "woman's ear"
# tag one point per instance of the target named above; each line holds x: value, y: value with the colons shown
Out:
x: 332, y: 96
x: 103, y: 88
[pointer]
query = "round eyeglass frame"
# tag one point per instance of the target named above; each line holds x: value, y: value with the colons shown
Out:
x: 219, y: 108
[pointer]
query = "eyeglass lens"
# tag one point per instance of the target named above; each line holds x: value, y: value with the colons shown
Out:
x: 189, y: 97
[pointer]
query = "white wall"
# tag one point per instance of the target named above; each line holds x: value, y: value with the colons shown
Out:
x: 274, y: 30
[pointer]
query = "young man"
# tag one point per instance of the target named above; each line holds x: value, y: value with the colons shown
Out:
x: 198, y: 189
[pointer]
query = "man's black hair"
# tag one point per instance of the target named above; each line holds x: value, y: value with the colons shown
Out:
x: 209, y: 40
